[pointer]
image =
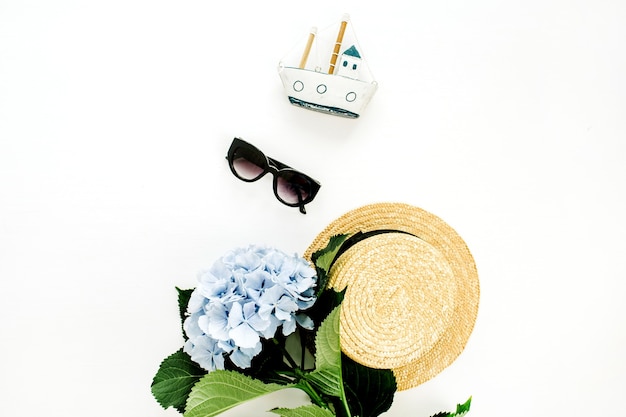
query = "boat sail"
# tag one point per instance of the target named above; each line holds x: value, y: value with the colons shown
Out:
x: 327, y: 73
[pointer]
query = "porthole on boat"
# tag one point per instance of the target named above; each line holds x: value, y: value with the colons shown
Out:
x: 351, y: 96
x: 321, y: 88
x: 298, y: 86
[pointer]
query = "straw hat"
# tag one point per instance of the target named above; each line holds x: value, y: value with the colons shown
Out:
x: 412, y: 290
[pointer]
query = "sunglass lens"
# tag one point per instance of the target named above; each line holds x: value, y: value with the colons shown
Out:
x: 293, y: 188
x: 248, y: 165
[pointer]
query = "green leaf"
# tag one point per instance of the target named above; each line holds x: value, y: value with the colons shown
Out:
x: 173, y: 382
x: 327, y: 374
x: 183, y: 301
x: 219, y: 391
x: 369, y: 392
x: 326, y: 302
x: 324, y: 258
x: 327, y: 298
x: 461, y: 410
x: 303, y: 411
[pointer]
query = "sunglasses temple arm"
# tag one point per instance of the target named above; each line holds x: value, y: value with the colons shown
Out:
x: 302, y: 209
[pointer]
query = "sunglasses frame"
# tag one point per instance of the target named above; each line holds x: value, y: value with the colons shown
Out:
x: 274, y: 167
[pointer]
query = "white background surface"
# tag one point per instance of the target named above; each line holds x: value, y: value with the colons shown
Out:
x: 506, y: 119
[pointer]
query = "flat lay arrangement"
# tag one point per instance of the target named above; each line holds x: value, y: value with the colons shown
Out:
x: 248, y: 208
x: 384, y: 299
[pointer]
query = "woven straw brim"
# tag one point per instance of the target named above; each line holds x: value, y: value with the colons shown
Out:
x: 412, y: 296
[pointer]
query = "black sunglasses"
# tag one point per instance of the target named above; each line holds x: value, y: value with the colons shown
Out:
x: 291, y: 187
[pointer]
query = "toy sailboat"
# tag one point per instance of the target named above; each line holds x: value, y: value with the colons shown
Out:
x: 336, y: 80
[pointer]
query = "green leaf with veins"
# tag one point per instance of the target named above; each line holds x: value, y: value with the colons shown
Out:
x: 461, y: 410
x: 324, y: 258
x: 304, y: 411
x: 220, y: 390
x: 175, y: 378
x: 369, y: 392
x: 327, y: 374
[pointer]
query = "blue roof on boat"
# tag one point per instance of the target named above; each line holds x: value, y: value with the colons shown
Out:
x: 351, y: 51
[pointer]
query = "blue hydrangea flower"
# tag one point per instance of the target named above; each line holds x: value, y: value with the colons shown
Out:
x: 248, y: 294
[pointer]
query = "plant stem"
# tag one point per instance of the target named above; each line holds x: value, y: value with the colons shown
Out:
x: 302, y: 346
x: 345, y: 403
x: 304, y: 385
x: 286, y: 354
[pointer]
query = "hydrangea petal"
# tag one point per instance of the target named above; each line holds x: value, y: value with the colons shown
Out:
x: 273, y: 325
x: 196, y: 302
x: 305, y: 321
x: 289, y: 326
x: 206, y: 353
x: 243, y: 357
x: 244, y: 336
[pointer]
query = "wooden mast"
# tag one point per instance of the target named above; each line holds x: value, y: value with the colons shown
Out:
x: 307, y: 49
x: 335, y: 55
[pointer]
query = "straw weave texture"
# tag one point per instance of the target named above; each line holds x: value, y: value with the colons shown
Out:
x: 411, y: 299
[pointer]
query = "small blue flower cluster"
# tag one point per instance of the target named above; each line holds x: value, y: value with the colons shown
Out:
x: 245, y: 296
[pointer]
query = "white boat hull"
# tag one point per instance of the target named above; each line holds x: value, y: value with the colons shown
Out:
x: 326, y: 93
